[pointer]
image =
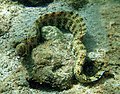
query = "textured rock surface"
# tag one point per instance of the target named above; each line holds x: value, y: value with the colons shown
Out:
x: 49, y: 64
x: 103, y: 33
x: 7, y: 12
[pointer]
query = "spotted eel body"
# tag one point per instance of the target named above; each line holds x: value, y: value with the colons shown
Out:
x: 70, y: 21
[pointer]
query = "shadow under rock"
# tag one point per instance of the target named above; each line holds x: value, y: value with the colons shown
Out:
x: 34, y: 3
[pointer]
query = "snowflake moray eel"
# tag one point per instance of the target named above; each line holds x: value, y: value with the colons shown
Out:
x: 74, y: 23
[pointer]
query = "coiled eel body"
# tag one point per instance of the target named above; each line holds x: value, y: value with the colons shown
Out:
x: 74, y: 23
